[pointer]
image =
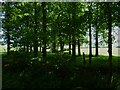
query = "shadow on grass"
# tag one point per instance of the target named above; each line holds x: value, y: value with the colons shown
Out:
x: 58, y: 72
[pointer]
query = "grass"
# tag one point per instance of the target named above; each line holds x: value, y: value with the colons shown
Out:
x: 102, y: 51
x: 59, y: 72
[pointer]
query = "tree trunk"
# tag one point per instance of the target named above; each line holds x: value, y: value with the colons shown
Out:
x: 27, y: 48
x: 24, y: 47
x: 84, y: 58
x: 79, y: 54
x: 73, y: 47
x: 40, y: 48
x: 90, y: 36
x: 109, y: 23
x: 61, y: 43
x: 54, y: 47
x: 35, y: 32
x: 30, y: 48
x: 96, y: 42
x: 44, y: 30
x: 74, y: 30
x: 8, y: 35
x: 8, y: 42
x: 109, y: 34
x: 90, y: 45
x: 70, y: 45
x: 97, y: 33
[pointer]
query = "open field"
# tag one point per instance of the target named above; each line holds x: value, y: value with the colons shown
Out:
x: 2, y: 48
x: 102, y: 51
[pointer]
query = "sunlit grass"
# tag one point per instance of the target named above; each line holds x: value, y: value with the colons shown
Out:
x: 101, y: 51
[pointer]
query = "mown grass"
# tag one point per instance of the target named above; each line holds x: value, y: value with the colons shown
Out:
x: 59, y: 71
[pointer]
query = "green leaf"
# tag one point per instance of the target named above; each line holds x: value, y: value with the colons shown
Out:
x: 26, y: 14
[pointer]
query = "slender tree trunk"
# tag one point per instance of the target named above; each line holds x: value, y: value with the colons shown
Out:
x: 73, y: 47
x: 96, y: 42
x: 97, y: 32
x: 35, y: 32
x: 61, y: 42
x: 79, y: 54
x: 74, y: 30
x: 27, y: 48
x: 8, y: 34
x: 8, y: 42
x: 90, y: 45
x: 54, y: 47
x: 30, y: 48
x: 40, y: 48
x: 24, y: 47
x: 109, y: 23
x: 44, y: 30
x: 110, y: 34
x: 90, y: 37
x: 62, y: 45
x: 70, y: 45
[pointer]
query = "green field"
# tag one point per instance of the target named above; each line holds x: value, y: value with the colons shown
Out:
x: 102, y: 51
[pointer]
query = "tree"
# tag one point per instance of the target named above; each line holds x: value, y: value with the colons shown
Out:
x: 8, y: 31
x: 96, y: 54
x: 6, y: 25
x: 35, y: 32
x: 90, y: 36
x: 44, y: 30
x: 74, y: 29
x: 109, y: 24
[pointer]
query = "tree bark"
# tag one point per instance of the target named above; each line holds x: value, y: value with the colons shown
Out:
x: 8, y: 42
x: 61, y: 49
x: 24, y: 47
x: 97, y: 32
x: 27, y: 48
x: 109, y: 23
x: 90, y: 36
x: 73, y: 47
x: 54, y: 47
x: 109, y: 33
x: 62, y: 45
x: 70, y: 45
x: 30, y: 48
x: 40, y: 46
x: 8, y: 34
x: 79, y: 54
x: 96, y: 42
x: 35, y: 32
x: 90, y: 45
x: 44, y: 30
x: 74, y: 30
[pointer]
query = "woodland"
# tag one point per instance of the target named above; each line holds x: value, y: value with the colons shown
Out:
x: 36, y: 34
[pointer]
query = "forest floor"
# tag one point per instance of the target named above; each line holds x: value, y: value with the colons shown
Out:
x: 59, y: 71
